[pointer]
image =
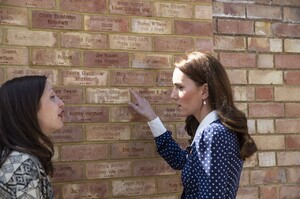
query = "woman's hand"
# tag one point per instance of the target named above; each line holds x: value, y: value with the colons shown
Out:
x: 142, y: 106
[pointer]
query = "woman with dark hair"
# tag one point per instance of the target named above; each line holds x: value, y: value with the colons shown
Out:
x: 212, y: 164
x: 29, y: 112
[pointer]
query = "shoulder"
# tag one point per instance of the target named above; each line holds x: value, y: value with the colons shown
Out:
x: 217, y: 130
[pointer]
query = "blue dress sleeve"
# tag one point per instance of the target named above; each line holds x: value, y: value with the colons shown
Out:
x: 168, y: 149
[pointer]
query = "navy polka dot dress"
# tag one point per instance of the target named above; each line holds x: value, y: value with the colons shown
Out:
x: 211, y: 171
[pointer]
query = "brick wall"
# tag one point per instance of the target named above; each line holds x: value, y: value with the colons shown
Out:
x: 94, y: 50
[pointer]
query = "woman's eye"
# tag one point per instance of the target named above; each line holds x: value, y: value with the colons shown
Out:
x: 52, y: 97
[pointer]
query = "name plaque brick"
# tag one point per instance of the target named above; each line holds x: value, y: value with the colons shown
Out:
x: 125, y: 114
x: 128, y: 42
x: 174, y: 44
x: 164, y: 78
x: 131, y: 187
x: 56, y: 20
x: 130, y: 150
x: 68, y: 134
x: 173, y: 10
x: 152, y: 168
x: 108, y: 170
x: 157, y: 96
x: 106, y: 59
x: 107, y: 95
x: 151, y: 61
x: 13, y: 72
x: 31, y: 3
x: 97, y: 132
x: 84, y: 152
x: 94, y: 6
x: 170, y: 184
x: 132, y: 78
x: 142, y: 131
x: 14, y: 56
x: 83, y: 40
x: 13, y: 16
x: 54, y: 57
x: 70, y: 95
x: 86, y: 114
x: 86, y: 190
x: 152, y: 26
x: 103, y: 23
x: 84, y: 77
x: 68, y: 172
x: 131, y: 7
x: 169, y: 113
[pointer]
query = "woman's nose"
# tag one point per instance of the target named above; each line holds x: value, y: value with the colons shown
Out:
x: 60, y: 102
x: 174, y: 94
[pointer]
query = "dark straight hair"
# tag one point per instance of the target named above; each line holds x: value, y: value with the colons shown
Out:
x: 204, y: 68
x: 19, y: 128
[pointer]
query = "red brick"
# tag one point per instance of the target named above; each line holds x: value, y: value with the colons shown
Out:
x: 238, y: 60
x: 233, y: 26
x: 86, y: 114
x: 292, y: 77
x: 263, y: 12
x: 293, y: 141
x: 288, y: 192
x: 287, y: 2
x: 130, y: 7
x: 13, y: 16
x: 133, y: 187
x: 268, y: 192
x: 247, y: 193
x: 84, y: 152
x: 32, y: 3
x: 151, y: 26
x: 292, y: 109
x: 56, y: 190
x: 291, y: 158
x: 291, y: 14
x: 125, y: 114
x: 106, y: 23
x: 106, y: 59
x: 56, y: 20
x: 286, y: 29
x: 173, y: 10
x: 152, y: 168
x: 108, y: 170
x: 60, y: 57
x: 224, y: 9
x: 287, y: 61
x: 288, y: 125
x: 141, y: 131
x: 99, y: 132
x: 86, y: 190
x: 264, y: 93
x: 193, y: 28
x: 270, y: 142
x: 14, y: 56
x: 293, y: 175
x: 84, y: 77
x: 169, y: 185
x: 94, y: 6
x: 131, y: 78
x: 69, y: 95
x: 69, y: 133
x: 244, y: 179
x: 83, y: 40
x: 259, y: 44
x: 268, y: 176
x: 68, y: 172
x: 164, y: 78
x: 204, y: 44
x: 173, y: 44
x: 230, y: 43
x: 266, y: 110
x: 158, y: 61
x: 130, y: 42
x: 132, y: 150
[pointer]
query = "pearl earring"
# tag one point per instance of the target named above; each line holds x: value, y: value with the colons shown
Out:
x: 204, y: 102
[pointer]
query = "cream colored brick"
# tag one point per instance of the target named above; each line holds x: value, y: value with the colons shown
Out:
x: 265, y: 61
x: 203, y: 12
x: 237, y: 76
x: 265, y: 77
x: 267, y: 159
x: 292, y: 45
x: 288, y: 158
x: 243, y: 93
x: 262, y: 28
x: 287, y: 93
x: 265, y: 126
x: 270, y: 142
x: 151, y: 26
x: 251, y: 126
x: 276, y: 45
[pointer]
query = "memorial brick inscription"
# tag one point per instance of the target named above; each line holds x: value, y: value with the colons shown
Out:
x: 151, y: 61
x: 103, y: 23
x: 131, y: 187
x: 86, y: 190
x: 84, y: 77
x: 83, y: 40
x: 31, y: 3
x: 107, y: 95
x: 70, y: 95
x: 95, y: 6
x: 84, y: 152
x: 14, y: 56
x: 152, y: 26
x: 69, y: 133
x: 13, y: 16
x: 106, y: 59
x: 132, y: 78
x: 86, y: 114
x: 127, y: 42
x: 97, y: 132
x: 108, y: 170
x: 68, y: 172
x: 131, y: 7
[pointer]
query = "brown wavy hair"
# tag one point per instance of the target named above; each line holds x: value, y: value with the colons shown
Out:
x: 204, y: 68
x: 19, y: 127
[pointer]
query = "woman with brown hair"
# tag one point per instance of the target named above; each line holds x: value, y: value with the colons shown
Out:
x: 220, y: 142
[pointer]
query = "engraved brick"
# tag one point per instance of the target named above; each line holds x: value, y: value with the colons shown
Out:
x: 233, y: 26
x: 265, y: 77
x: 56, y: 190
x: 94, y: 6
x: 143, y: 132
x: 125, y: 114
x: 86, y: 114
x: 132, y: 150
x: 69, y: 133
x: 106, y: 59
x: 266, y: 110
x: 14, y: 56
x: 204, y: 44
x: 86, y: 190
x: 263, y: 28
x: 169, y: 113
x: 156, y: 96
x: 151, y: 61
x: 173, y: 44
x: 84, y: 77
x: 129, y: 42
x: 193, y: 28
x: 152, y: 168
x: 31, y: 38
x: 169, y: 185
x: 83, y: 40
x: 107, y: 95
x: 106, y: 23
x: 32, y: 3
x: 97, y: 132
x: 133, y: 187
x: 68, y: 172
x: 70, y: 95
x: 84, y: 152
x: 13, y: 16
x: 151, y: 26
x: 53, y: 57
x: 56, y: 20
x: 164, y: 78
x: 173, y: 10
x: 130, y: 7
x: 108, y: 170
x: 203, y: 12
x: 132, y: 78
x: 51, y: 74
x: 230, y: 43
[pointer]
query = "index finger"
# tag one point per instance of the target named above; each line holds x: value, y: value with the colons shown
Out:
x: 135, y: 94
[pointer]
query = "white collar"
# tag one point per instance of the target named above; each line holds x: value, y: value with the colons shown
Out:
x: 209, y: 118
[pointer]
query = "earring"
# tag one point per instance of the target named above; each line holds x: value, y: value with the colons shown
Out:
x: 204, y: 102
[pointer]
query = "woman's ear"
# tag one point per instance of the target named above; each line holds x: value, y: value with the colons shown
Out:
x: 205, y: 93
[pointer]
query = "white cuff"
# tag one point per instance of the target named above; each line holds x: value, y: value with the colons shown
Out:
x: 157, y: 127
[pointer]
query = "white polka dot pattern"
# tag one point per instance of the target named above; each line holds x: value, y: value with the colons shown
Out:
x: 212, y: 171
